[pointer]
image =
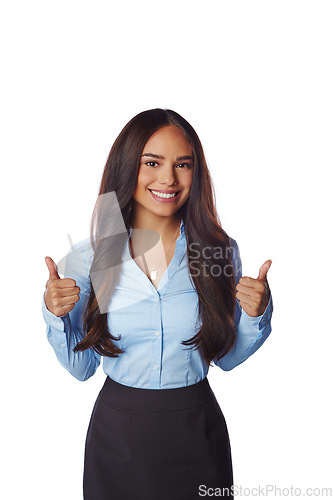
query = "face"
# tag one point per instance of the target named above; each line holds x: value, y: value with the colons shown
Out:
x: 166, y: 166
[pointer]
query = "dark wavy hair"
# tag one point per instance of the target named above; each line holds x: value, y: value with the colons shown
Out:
x: 216, y: 294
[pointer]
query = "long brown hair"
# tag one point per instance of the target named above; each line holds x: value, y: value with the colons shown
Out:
x: 216, y: 291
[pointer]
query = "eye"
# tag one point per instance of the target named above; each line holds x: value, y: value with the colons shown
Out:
x: 154, y: 162
x: 184, y: 165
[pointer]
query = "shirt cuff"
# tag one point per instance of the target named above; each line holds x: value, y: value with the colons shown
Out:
x: 51, y: 319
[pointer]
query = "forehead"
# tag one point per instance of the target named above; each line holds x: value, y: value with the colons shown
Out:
x: 168, y: 139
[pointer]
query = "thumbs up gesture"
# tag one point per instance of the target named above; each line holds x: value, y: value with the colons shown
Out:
x: 253, y: 294
x: 61, y: 294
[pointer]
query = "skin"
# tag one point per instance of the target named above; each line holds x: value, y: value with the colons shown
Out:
x: 61, y: 295
x: 253, y: 294
x: 162, y: 174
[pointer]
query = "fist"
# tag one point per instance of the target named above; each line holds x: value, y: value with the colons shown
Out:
x: 253, y: 294
x: 61, y: 294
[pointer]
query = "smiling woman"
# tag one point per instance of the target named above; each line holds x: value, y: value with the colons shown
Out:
x: 163, y: 309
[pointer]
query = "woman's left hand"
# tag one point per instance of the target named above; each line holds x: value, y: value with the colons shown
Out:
x: 253, y: 294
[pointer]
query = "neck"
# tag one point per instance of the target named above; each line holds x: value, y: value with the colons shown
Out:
x: 165, y: 226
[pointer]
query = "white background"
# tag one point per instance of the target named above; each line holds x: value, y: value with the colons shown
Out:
x: 254, y: 78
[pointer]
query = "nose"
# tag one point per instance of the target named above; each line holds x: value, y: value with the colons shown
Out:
x: 168, y: 177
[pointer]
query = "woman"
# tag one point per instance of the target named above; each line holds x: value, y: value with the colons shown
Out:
x: 154, y: 292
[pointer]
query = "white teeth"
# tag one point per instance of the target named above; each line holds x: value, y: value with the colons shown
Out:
x: 164, y: 195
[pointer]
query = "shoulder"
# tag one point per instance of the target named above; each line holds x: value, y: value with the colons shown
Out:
x: 235, y: 258
x: 234, y: 250
x: 83, y: 250
x: 77, y: 262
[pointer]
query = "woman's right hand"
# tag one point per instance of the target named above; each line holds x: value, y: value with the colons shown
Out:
x: 61, y: 294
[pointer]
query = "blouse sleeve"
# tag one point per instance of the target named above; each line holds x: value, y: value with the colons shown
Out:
x: 64, y: 332
x: 251, y: 332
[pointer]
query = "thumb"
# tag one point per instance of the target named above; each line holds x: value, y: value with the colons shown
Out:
x: 52, y: 268
x: 264, y: 270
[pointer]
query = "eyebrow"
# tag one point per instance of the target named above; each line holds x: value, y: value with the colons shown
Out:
x: 160, y: 157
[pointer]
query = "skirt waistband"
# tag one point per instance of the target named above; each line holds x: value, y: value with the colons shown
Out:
x: 129, y: 398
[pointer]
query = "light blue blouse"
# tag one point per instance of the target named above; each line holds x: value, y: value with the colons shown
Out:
x: 152, y: 324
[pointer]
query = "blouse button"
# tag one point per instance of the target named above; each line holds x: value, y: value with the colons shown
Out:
x: 156, y: 299
x: 155, y: 367
x: 157, y: 332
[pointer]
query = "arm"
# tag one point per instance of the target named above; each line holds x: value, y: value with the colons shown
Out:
x: 251, y: 332
x: 63, y: 333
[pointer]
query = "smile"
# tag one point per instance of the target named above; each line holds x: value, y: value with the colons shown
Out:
x: 164, y: 195
x: 159, y: 196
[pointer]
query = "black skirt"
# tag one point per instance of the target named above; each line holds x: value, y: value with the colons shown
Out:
x: 156, y: 444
